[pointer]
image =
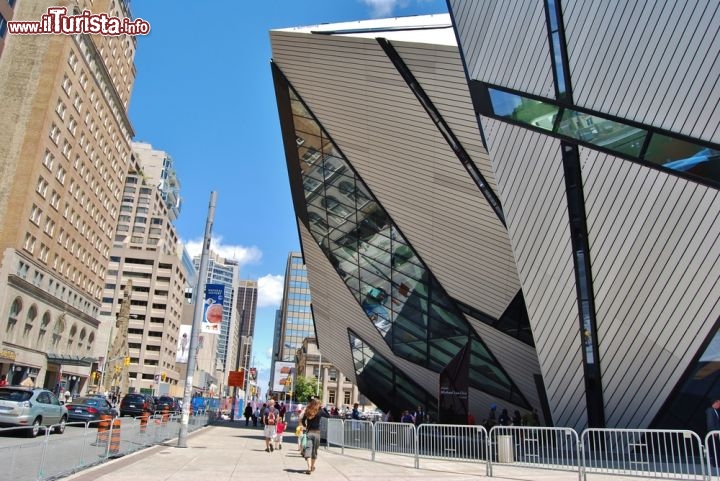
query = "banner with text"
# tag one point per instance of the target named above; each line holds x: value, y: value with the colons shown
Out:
x: 283, y: 376
x: 213, y: 308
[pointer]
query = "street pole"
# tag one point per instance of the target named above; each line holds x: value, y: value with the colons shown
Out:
x: 197, y: 323
x: 317, y: 384
x: 237, y: 366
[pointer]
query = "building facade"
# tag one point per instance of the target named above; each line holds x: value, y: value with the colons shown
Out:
x: 501, y: 184
x: 246, y: 303
x: 159, y: 171
x: 64, y: 155
x: 144, y: 253
x: 227, y: 273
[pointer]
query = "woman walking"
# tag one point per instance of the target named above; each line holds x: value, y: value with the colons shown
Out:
x: 310, y: 420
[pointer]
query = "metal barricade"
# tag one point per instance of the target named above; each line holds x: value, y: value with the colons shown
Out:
x: 643, y: 453
x: 452, y: 442
x: 334, y: 432
x: 395, y: 438
x: 538, y: 447
x: 358, y: 435
x: 712, y: 455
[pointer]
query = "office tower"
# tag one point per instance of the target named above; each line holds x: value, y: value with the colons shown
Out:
x: 246, y: 304
x: 226, y: 272
x: 64, y: 155
x: 159, y: 170
x: 541, y: 198
x: 144, y: 253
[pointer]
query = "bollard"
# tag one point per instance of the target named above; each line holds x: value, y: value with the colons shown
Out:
x: 144, y: 421
x: 103, y: 431
x: 115, y: 437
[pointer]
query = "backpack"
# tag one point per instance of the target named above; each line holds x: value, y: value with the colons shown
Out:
x: 271, y: 417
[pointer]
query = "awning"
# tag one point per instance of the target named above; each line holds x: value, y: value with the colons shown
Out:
x: 69, y: 360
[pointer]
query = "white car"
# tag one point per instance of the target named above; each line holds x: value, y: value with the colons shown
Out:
x: 35, y: 408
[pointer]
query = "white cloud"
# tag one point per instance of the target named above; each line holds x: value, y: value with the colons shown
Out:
x: 243, y: 254
x: 270, y: 290
x: 384, y: 8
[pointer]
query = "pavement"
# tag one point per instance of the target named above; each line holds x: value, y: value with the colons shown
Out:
x: 231, y: 451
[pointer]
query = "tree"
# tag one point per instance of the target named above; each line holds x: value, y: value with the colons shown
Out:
x: 305, y: 388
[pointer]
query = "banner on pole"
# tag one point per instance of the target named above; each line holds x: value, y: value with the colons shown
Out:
x: 213, y: 308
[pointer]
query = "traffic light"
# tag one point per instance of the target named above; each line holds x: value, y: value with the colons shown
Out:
x: 163, y: 377
x: 126, y: 361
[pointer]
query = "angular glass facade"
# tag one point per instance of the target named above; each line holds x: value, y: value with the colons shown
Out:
x: 385, y: 384
x: 399, y: 295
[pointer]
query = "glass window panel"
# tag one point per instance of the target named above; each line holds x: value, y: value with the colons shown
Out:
x: 310, y: 155
x: 297, y: 107
x: 411, y: 351
x: 684, y: 156
x: 446, y: 320
x: 305, y: 129
x: 333, y: 166
x: 602, y: 132
x: 522, y: 109
x: 410, y: 326
x: 557, y: 54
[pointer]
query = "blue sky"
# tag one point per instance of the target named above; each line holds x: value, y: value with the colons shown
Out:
x: 204, y: 94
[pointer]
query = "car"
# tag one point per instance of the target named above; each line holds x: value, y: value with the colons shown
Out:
x: 169, y: 403
x: 89, y: 409
x: 134, y: 404
x: 35, y: 408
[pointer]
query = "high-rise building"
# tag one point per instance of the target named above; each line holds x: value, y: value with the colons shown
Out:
x: 64, y: 155
x: 246, y: 303
x: 159, y: 171
x: 539, y: 202
x: 227, y: 273
x: 144, y: 253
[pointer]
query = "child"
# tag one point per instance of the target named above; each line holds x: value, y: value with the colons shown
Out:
x: 299, y: 433
x: 279, y: 430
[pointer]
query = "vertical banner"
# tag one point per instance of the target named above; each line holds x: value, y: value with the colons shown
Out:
x: 183, y: 345
x: 454, y: 389
x: 213, y: 308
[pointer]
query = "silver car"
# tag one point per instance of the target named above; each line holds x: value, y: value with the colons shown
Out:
x: 35, y: 408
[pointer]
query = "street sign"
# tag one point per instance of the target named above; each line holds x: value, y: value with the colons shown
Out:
x: 236, y: 378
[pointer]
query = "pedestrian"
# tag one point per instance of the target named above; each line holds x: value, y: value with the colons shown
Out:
x: 279, y: 430
x: 248, y: 414
x: 504, y: 419
x: 310, y: 420
x: 3, y: 380
x: 517, y: 418
x: 270, y: 417
x: 419, y: 416
x: 255, y: 416
x: 712, y: 421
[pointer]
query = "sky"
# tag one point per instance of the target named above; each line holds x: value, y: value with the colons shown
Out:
x: 204, y: 93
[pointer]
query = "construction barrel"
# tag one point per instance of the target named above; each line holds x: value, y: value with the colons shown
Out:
x: 115, y: 437
x: 103, y: 431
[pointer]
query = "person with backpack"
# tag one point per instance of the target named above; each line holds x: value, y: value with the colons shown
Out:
x: 270, y: 418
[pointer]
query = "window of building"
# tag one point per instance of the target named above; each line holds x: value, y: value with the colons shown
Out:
x: 331, y: 396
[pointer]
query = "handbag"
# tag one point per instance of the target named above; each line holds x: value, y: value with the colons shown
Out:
x: 303, y: 440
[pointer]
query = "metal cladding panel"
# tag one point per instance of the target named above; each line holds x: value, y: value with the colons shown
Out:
x: 531, y: 185
x: 375, y: 119
x: 652, y: 62
x: 506, y: 43
x: 517, y: 359
x: 335, y: 310
x: 442, y: 77
x: 656, y: 269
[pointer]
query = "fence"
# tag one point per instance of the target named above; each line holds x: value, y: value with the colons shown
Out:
x: 625, y: 453
x: 82, y: 445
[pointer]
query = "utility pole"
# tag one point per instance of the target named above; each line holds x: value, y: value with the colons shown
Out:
x: 116, y: 364
x: 196, y: 324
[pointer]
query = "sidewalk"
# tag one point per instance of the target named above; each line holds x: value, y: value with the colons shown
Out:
x: 234, y: 452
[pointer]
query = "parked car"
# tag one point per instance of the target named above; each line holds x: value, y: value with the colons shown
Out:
x: 169, y: 402
x: 89, y: 409
x: 35, y: 408
x: 134, y: 404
